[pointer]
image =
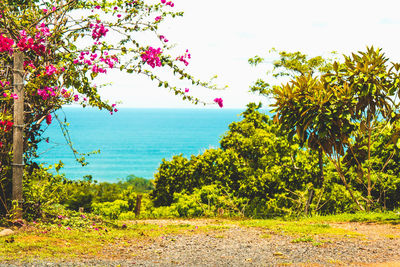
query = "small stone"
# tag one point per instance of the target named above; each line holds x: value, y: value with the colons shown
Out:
x: 6, y: 232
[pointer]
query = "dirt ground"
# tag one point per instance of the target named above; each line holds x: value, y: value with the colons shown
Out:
x: 373, y: 245
x: 224, y: 244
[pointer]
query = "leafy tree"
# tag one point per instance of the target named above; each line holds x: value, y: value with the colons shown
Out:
x: 66, y: 44
x: 339, y: 111
x: 289, y: 65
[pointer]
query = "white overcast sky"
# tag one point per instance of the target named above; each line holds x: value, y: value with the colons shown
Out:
x: 222, y: 34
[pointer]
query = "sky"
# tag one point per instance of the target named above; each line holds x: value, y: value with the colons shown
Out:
x: 222, y: 35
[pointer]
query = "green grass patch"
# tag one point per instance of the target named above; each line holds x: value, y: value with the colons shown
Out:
x: 303, y: 239
x: 300, y: 227
x: 392, y: 217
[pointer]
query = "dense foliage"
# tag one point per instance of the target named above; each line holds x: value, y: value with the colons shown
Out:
x: 264, y: 173
x: 342, y: 111
x: 256, y: 164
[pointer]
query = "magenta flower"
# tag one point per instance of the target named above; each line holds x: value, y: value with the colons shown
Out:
x: 219, y: 101
x: 186, y: 90
x: 50, y: 70
x: 48, y: 119
x: 6, y: 44
x: 158, y: 18
x: 151, y: 57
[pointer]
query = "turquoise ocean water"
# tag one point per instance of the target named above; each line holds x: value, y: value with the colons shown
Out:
x: 132, y: 141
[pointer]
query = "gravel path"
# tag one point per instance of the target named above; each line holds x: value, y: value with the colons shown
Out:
x: 379, y: 245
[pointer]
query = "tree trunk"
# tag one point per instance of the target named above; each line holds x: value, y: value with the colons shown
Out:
x: 321, y: 168
x: 18, y: 131
x: 138, y: 205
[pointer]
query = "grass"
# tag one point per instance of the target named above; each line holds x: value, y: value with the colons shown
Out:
x: 55, y: 242
x: 300, y: 227
x: 367, y: 217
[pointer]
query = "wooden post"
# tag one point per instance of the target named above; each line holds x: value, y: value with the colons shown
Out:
x: 18, y: 131
x: 138, y: 204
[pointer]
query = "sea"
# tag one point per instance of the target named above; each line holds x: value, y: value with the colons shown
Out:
x: 131, y: 141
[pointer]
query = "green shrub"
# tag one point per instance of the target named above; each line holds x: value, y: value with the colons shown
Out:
x: 110, y: 210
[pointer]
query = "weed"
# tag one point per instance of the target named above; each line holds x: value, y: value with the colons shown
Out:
x: 304, y: 239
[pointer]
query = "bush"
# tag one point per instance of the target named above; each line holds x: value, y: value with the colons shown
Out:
x: 110, y: 210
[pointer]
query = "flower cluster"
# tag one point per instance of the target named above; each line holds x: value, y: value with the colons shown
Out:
x: 184, y: 58
x: 46, y: 92
x: 6, y: 83
x: 29, y: 64
x: 98, y: 30
x: 6, y: 44
x: 92, y: 59
x: 38, y: 45
x: 45, y: 11
x: 13, y: 96
x: 219, y: 101
x: 50, y: 70
x: 162, y: 38
x: 65, y: 93
x: 6, y: 125
x: 113, y: 109
x: 152, y: 57
x: 169, y: 3
x: 48, y: 119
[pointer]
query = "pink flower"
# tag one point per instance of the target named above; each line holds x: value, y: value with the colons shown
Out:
x: 163, y: 1
x: 186, y: 90
x: 98, y: 31
x: 151, y: 57
x: 68, y: 228
x: 48, y: 120
x: 50, y: 70
x: 76, y: 98
x: 119, y: 15
x: 219, y: 101
x: 97, y: 7
x: 158, y: 18
x: 6, y: 44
